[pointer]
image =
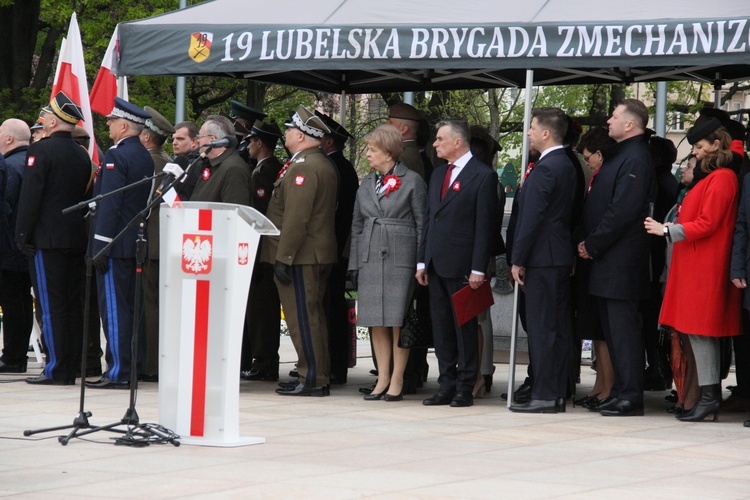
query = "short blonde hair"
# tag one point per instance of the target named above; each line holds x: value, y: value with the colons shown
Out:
x: 388, y: 138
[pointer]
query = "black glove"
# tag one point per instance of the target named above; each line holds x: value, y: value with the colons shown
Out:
x: 283, y: 273
x: 100, y: 264
x: 354, y: 278
x: 27, y: 249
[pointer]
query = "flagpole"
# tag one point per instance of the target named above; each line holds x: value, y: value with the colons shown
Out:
x: 179, y: 104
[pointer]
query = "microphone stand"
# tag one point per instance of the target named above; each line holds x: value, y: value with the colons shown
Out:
x: 80, y: 421
x: 137, y: 434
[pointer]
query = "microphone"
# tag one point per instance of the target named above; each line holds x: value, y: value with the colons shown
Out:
x: 173, y: 171
x: 227, y: 142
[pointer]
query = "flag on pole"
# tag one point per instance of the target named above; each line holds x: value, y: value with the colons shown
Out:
x: 70, y: 78
x: 106, y: 84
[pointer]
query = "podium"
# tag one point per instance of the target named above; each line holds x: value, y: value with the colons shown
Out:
x: 206, y: 258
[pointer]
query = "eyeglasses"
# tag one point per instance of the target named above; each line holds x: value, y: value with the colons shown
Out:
x: 202, y: 136
x: 587, y: 158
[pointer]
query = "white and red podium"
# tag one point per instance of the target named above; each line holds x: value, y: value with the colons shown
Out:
x: 206, y: 258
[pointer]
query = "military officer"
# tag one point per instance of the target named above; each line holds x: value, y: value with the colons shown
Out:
x: 226, y: 178
x: 126, y: 162
x: 339, y: 340
x: 153, y: 137
x: 260, y: 342
x: 243, y: 117
x: 303, y: 207
x: 56, y: 174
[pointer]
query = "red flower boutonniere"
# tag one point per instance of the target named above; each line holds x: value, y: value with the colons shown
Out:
x: 391, y: 183
x: 206, y: 173
x: 456, y: 186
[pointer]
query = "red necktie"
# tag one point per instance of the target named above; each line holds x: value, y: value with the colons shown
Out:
x: 446, y: 181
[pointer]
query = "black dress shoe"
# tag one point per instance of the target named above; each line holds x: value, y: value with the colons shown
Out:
x: 262, y: 376
x: 374, y: 396
x: 12, y: 368
x: 337, y: 379
x: 603, y: 404
x: 623, y: 408
x: 289, y: 385
x: 301, y: 390
x: 522, y: 394
x: 440, y: 398
x: 294, y: 373
x: 746, y: 423
x: 106, y: 383
x: 366, y: 390
x: 393, y: 397
x: 536, y: 406
x: 462, y: 400
x: 374, y: 372
x: 44, y: 380
x: 560, y: 405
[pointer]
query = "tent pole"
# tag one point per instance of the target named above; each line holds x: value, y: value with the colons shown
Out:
x: 660, y: 113
x: 179, y: 96
x: 524, y: 164
x: 409, y: 98
x: 342, y: 108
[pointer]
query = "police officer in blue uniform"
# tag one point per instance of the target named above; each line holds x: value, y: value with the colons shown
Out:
x: 126, y: 162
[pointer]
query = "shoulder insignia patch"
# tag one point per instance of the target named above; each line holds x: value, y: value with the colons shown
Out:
x: 299, y: 180
x: 30, y: 161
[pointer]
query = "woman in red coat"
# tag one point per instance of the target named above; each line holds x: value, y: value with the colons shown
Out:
x: 700, y: 301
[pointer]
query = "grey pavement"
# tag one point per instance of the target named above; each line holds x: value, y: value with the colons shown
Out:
x: 344, y: 447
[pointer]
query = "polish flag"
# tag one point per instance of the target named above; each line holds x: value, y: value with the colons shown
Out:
x: 106, y: 85
x: 70, y: 78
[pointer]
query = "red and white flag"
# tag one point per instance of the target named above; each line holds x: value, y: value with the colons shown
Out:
x: 106, y: 84
x: 70, y: 78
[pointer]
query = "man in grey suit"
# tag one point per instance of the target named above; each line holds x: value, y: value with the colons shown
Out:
x: 455, y: 247
x: 542, y: 259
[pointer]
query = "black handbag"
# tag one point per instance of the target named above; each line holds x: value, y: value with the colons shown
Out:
x: 413, y: 333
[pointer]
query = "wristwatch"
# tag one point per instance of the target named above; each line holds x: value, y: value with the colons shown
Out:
x: 666, y: 232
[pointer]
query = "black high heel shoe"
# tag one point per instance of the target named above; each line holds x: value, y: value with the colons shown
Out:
x: 587, y: 400
x: 709, y: 402
x: 394, y: 397
x: 374, y: 396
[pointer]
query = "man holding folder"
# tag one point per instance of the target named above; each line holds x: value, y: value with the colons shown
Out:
x: 542, y: 258
x: 455, y: 250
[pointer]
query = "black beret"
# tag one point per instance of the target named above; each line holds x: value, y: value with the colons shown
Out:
x: 702, y: 130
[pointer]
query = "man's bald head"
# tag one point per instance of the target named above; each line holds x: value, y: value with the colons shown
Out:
x: 14, y: 133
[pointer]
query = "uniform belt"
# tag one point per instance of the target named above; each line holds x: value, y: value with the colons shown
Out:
x: 383, y: 221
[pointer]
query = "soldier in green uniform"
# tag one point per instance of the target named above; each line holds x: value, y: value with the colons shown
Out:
x: 153, y: 137
x: 303, y: 207
x: 226, y: 178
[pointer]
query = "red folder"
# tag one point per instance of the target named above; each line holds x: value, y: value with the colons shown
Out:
x: 468, y: 303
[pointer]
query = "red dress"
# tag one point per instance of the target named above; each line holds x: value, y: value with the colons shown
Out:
x: 700, y: 299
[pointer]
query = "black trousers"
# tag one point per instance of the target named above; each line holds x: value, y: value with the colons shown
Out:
x: 261, y: 335
x: 57, y: 282
x: 742, y: 357
x: 339, y: 339
x: 549, y: 329
x: 622, y: 331
x: 456, y: 348
x: 18, y: 316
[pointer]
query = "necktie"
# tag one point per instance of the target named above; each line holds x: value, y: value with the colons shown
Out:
x: 446, y: 180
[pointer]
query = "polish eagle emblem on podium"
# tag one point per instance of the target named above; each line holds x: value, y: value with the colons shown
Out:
x: 197, y: 251
x: 200, y: 45
x: 243, y: 252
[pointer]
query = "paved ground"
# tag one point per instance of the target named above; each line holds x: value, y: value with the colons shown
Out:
x: 344, y: 447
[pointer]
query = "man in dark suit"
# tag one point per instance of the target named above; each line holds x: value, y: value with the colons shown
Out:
x: 542, y: 259
x: 56, y: 177
x: 339, y: 339
x: 617, y: 204
x: 126, y: 162
x: 455, y: 247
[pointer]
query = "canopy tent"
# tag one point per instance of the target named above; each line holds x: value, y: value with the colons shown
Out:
x: 360, y: 46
